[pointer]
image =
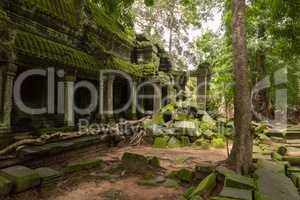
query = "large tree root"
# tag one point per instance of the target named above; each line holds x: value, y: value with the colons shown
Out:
x: 136, y: 126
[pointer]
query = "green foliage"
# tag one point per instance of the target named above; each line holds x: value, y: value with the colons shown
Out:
x: 149, y: 2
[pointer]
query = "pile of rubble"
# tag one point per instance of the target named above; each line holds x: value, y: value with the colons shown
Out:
x: 178, y: 126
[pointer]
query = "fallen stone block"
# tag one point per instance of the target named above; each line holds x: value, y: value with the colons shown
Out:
x: 22, y: 178
x: 174, y: 143
x: 185, y: 141
x: 48, y: 176
x: 234, y: 180
x: 208, y: 184
x: 135, y: 162
x: 83, y: 165
x: 272, y: 182
x: 296, y: 178
x: 153, y: 161
x: 276, y: 156
x: 5, y: 186
x: 184, y: 174
x: 203, y: 170
x: 233, y: 193
x: 161, y: 142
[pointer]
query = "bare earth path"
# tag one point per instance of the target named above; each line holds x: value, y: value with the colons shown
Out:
x: 83, y: 186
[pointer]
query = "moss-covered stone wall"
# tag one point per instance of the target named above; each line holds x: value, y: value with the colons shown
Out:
x: 81, y: 36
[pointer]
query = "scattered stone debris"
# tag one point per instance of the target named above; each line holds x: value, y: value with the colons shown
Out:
x: 135, y: 163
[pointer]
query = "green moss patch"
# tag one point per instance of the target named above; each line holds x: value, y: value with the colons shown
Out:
x: 83, y: 165
x: 161, y: 142
x: 235, y: 180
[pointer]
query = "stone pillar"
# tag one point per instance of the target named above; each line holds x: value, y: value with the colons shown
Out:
x: 8, y: 96
x: 110, y: 96
x: 134, y: 99
x: 1, y: 91
x: 157, y: 98
x: 202, y: 89
x: 69, y: 115
x: 101, y: 96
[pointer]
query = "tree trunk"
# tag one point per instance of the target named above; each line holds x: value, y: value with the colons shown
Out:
x: 241, y: 154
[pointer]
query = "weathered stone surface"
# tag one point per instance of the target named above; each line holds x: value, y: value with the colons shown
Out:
x: 187, y: 128
x: 234, y: 193
x: 5, y: 186
x: 205, y: 186
x: 272, y: 182
x: 22, y: 178
x: 48, y: 175
x: 135, y: 162
x: 83, y: 165
x: 235, y: 180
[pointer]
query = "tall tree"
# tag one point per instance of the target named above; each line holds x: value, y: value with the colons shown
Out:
x: 241, y: 154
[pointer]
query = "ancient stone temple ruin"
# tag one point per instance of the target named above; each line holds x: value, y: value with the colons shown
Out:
x: 76, y: 42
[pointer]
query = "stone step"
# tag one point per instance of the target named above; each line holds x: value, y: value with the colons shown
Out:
x: 22, y: 178
x: 272, y: 182
x: 233, y: 193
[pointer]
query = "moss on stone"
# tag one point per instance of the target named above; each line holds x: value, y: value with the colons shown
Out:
x: 135, y: 163
x: 205, y: 186
x: 218, y: 143
x: 174, y: 143
x: 62, y: 10
x: 83, y: 165
x: 161, y: 142
x: 36, y: 46
x: 154, y: 161
x: 185, y: 141
x: 184, y: 174
x: 22, y: 178
x: 108, y: 23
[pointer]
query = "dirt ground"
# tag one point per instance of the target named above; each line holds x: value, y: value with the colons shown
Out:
x: 88, y: 186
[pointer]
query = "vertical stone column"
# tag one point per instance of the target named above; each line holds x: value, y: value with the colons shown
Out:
x: 134, y: 99
x: 102, y: 80
x: 157, y: 98
x: 110, y: 96
x: 202, y: 88
x: 69, y: 115
x: 8, y: 96
x: 1, y: 91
